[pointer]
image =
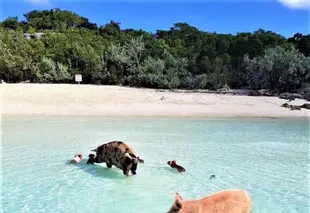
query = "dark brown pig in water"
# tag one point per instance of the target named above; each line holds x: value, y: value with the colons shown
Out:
x: 173, y: 164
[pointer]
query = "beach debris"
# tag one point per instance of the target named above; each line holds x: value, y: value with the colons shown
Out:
x: 223, y: 89
x: 296, y: 107
x: 305, y: 106
x: 290, y: 96
x: 211, y: 177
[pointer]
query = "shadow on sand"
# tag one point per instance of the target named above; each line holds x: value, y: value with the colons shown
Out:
x: 99, y: 170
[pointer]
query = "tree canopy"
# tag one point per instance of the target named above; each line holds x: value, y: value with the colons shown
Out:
x: 181, y: 57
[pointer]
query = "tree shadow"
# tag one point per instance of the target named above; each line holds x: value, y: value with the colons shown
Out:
x: 99, y: 170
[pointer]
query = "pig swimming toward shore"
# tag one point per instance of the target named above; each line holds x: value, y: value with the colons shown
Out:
x: 173, y: 164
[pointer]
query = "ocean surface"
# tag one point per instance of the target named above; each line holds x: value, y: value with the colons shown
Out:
x: 268, y: 158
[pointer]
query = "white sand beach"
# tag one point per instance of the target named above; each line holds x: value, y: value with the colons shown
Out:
x: 92, y: 100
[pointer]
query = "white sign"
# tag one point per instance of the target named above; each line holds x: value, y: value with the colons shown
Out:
x: 78, y: 78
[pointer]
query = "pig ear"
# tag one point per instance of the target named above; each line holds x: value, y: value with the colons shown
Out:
x: 177, y: 201
x: 177, y: 196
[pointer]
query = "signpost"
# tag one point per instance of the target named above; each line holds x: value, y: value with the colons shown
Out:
x: 78, y: 78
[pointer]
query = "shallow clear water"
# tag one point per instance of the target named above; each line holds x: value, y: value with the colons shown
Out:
x: 268, y: 158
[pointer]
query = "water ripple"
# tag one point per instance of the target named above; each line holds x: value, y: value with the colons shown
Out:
x: 268, y: 159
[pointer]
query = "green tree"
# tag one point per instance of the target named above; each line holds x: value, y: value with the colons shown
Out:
x: 181, y: 57
x: 279, y: 69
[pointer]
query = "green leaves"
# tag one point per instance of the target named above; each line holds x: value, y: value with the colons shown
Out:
x: 181, y: 57
x: 18, y: 58
x: 57, y: 20
x: 11, y: 23
x: 279, y: 69
x: 49, y: 71
x: 164, y: 72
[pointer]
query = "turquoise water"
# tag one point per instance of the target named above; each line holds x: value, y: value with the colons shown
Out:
x: 268, y: 158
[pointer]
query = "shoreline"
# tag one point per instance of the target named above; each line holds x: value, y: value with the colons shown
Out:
x: 214, y: 118
x: 156, y: 116
x: 72, y: 100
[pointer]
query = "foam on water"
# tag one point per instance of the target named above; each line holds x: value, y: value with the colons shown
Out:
x: 268, y: 158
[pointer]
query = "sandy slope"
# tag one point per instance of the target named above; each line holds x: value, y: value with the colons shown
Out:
x: 91, y: 100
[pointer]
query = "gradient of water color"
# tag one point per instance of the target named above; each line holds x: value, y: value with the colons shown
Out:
x: 268, y: 158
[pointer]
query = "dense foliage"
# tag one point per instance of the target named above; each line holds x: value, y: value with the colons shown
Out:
x: 182, y: 57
